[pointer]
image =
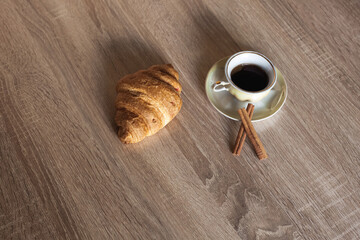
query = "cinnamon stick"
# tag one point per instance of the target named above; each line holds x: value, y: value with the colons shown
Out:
x: 240, y: 139
x: 251, y: 133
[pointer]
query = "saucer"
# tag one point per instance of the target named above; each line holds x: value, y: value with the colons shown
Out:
x: 228, y: 105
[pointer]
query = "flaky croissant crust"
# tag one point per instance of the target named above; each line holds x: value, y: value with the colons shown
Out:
x: 146, y: 101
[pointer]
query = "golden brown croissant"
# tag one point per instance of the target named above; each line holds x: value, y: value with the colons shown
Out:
x: 146, y: 101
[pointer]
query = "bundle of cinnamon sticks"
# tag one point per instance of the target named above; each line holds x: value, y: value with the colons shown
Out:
x: 247, y: 129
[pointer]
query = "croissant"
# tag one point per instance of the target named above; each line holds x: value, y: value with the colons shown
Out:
x: 146, y: 101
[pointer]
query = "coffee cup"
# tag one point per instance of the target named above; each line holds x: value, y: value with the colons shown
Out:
x: 250, y: 76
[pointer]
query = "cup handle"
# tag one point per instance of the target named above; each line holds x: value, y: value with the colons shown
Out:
x: 221, y: 86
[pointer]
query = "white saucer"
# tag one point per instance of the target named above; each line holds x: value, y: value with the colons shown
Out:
x: 228, y: 105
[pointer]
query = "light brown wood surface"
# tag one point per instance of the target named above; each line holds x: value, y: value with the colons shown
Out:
x: 65, y: 175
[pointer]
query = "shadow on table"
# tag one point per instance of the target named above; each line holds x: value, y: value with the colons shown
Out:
x: 215, y: 43
x: 121, y: 57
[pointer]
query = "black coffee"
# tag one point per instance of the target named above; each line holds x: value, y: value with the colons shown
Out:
x: 250, y: 78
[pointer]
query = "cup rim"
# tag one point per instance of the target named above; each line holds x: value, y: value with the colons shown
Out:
x: 251, y: 92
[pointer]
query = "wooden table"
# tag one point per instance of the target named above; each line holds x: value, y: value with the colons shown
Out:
x: 65, y: 175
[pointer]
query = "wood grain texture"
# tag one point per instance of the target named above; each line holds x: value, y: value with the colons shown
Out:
x: 65, y: 175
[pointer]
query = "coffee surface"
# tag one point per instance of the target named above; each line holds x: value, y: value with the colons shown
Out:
x: 250, y: 78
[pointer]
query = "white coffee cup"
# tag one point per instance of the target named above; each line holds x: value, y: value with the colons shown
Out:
x: 247, y: 58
